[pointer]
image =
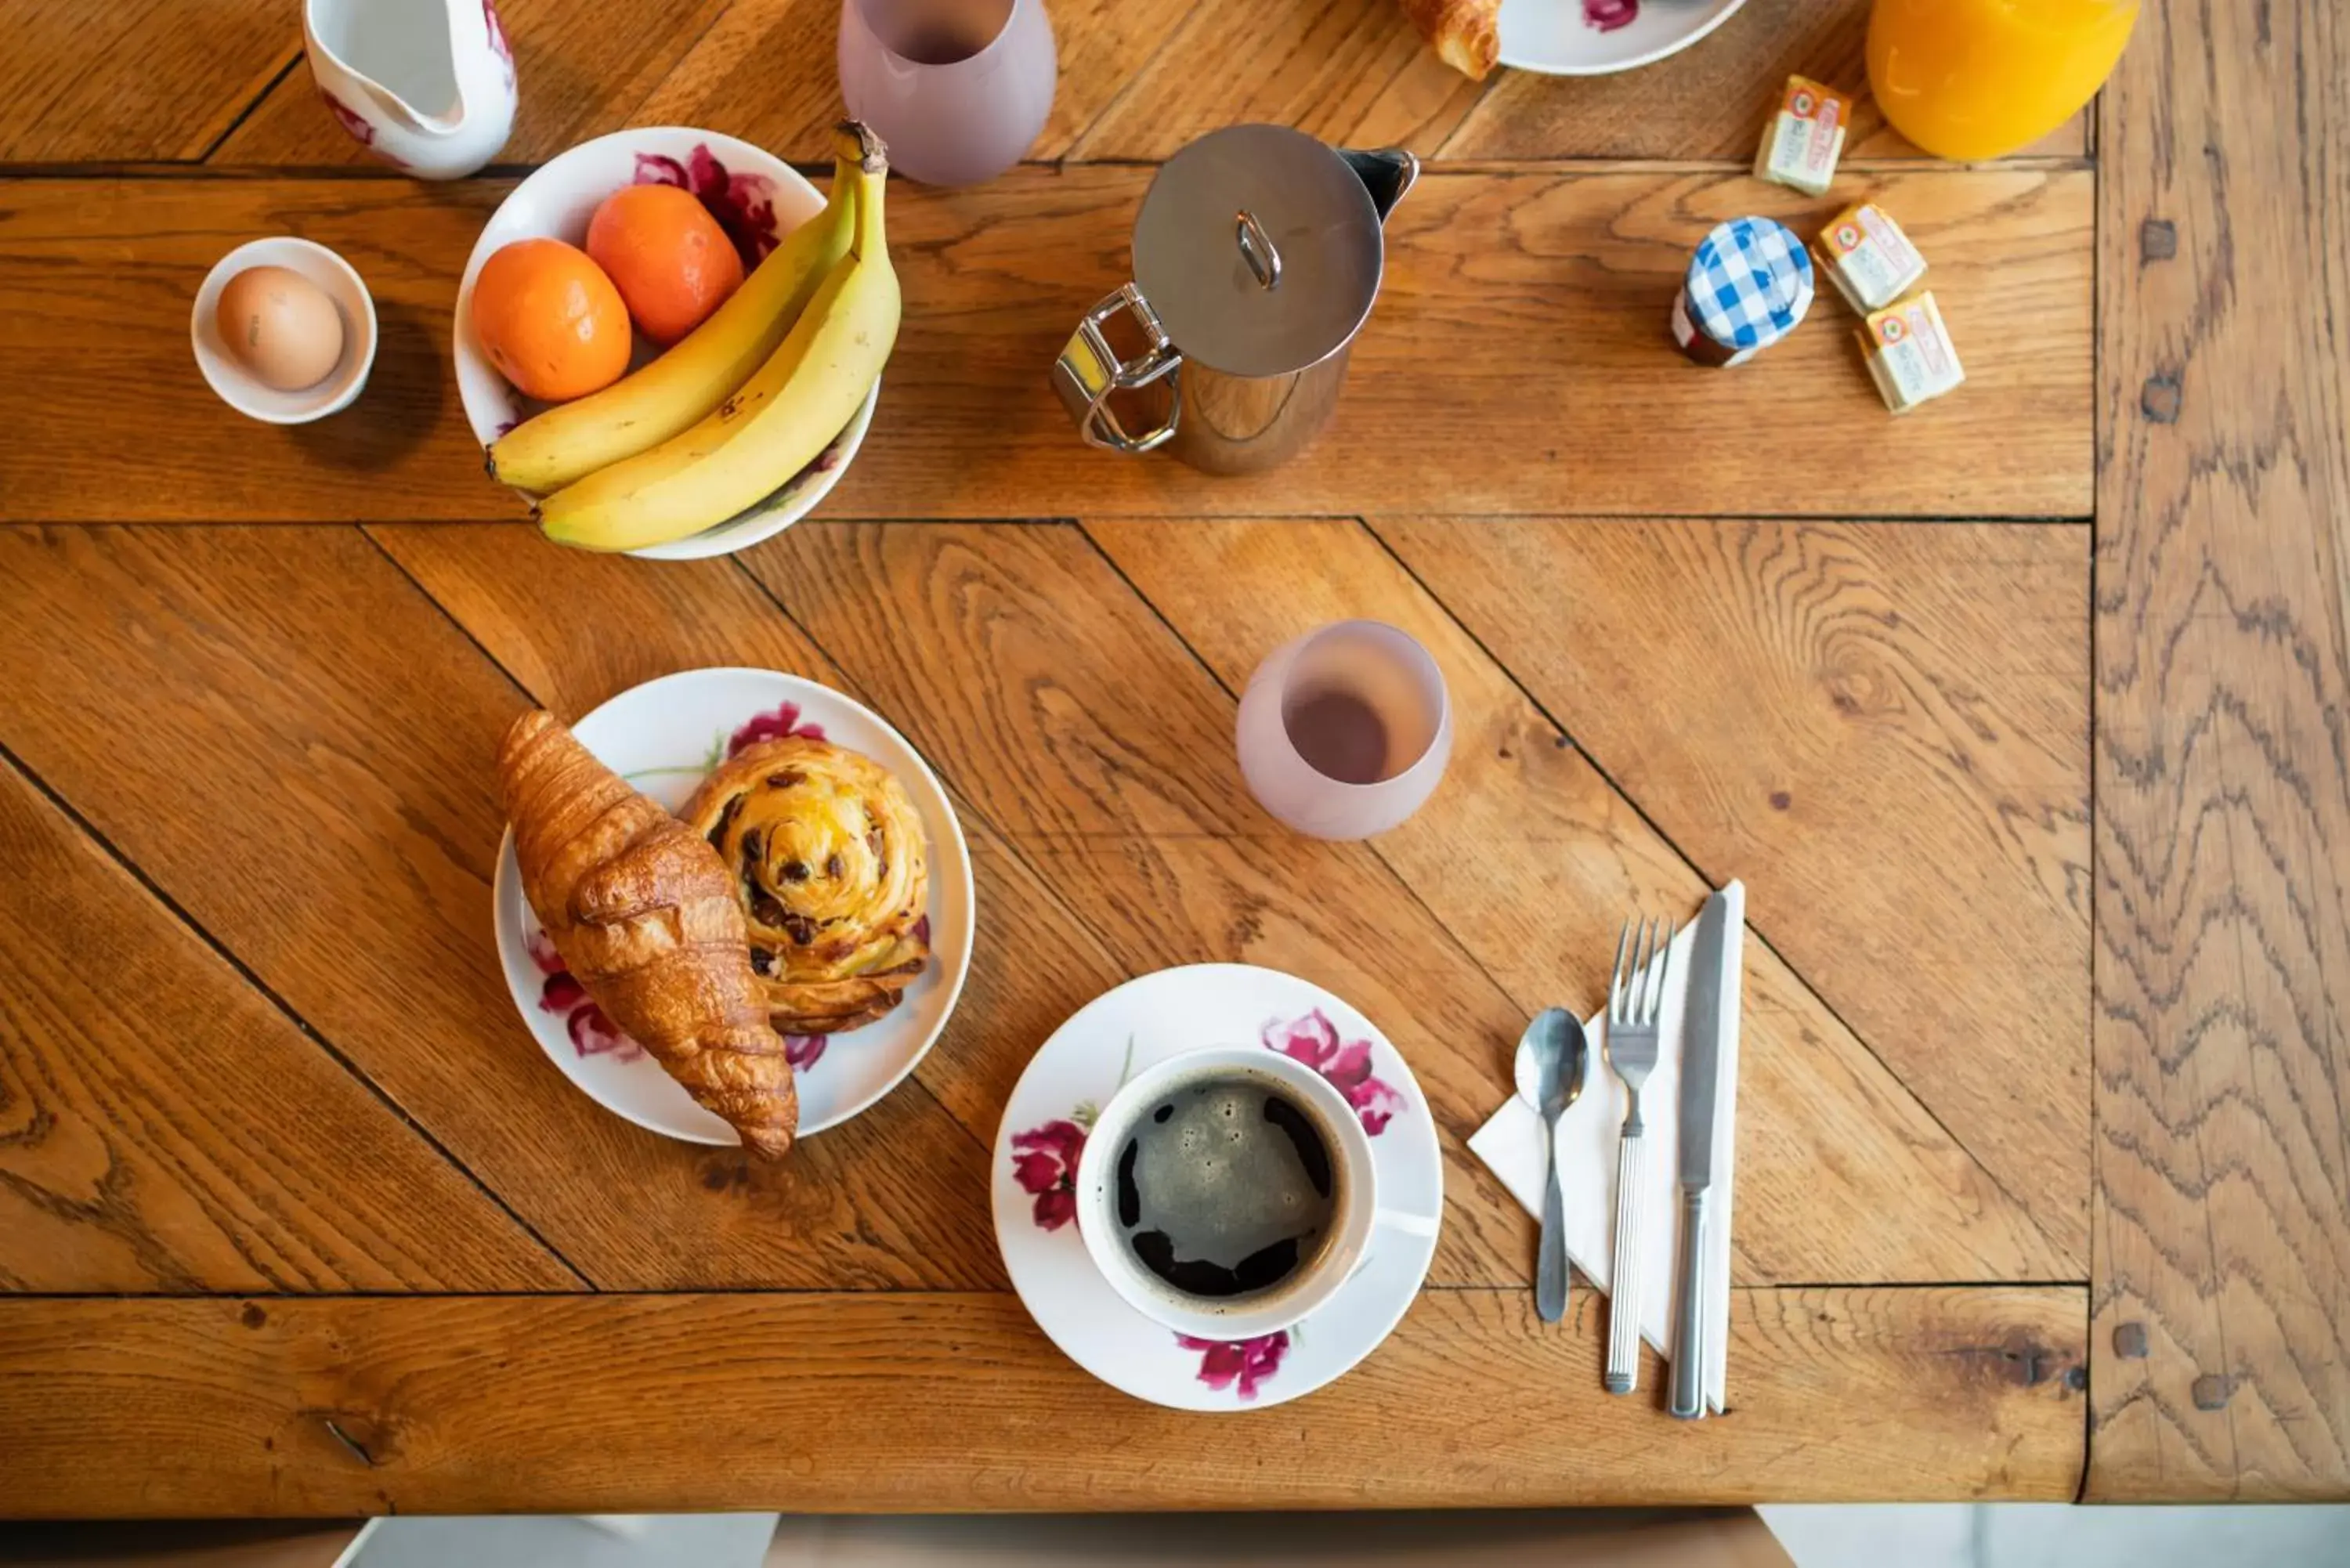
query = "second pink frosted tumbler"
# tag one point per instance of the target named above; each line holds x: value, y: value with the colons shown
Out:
x: 1345, y: 731
x: 957, y: 89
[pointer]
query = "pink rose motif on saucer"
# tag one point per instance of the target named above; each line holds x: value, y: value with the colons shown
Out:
x: 1046, y: 1165
x: 1239, y: 1364
x: 743, y: 205
x: 1313, y: 1039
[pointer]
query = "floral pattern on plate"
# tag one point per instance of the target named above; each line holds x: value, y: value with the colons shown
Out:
x: 743, y: 205
x: 1053, y: 1113
x: 1239, y: 1365
x: 648, y: 735
x: 593, y: 1033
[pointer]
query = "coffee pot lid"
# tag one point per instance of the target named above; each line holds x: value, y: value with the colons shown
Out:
x: 1260, y: 249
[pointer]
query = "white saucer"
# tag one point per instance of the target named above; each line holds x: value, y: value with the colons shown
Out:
x: 1078, y: 1070
x: 663, y: 737
x: 1552, y: 37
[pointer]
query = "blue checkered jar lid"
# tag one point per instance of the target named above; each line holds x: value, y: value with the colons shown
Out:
x: 1750, y: 283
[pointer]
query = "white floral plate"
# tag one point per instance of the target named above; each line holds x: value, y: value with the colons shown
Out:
x: 663, y: 737
x: 1076, y: 1072
x: 756, y: 197
x: 1566, y: 38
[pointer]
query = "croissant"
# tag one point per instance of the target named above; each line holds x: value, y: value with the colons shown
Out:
x: 827, y: 858
x: 1465, y: 34
x: 646, y: 916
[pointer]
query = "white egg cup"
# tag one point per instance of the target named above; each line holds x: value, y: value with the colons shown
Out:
x: 245, y: 392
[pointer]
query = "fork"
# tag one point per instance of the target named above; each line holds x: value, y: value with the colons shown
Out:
x: 1635, y: 992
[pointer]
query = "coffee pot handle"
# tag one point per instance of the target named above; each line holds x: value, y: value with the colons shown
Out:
x: 1090, y: 371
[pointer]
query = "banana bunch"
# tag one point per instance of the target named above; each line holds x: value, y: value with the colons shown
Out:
x: 746, y: 400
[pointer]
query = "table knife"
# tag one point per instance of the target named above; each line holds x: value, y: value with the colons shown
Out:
x: 1703, y: 1029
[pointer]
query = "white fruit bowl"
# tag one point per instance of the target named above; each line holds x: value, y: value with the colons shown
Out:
x: 750, y: 193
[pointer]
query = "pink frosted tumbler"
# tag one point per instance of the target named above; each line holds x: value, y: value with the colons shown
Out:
x: 958, y: 88
x: 1345, y: 731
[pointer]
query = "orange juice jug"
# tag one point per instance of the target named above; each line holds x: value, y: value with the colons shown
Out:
x: 1979, y: 79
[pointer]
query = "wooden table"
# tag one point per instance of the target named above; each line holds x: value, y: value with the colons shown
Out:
x: 2023, y: 719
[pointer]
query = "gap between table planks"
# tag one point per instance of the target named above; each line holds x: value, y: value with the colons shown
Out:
x: 163, y: 1127
x: 1482, y: 267
x: 1897, y: 1200
x: 928, y: 1402
x: 1135, y: 85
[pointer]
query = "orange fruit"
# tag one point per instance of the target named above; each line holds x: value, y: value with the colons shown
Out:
x: 550, y: 321
x: 673, y: 263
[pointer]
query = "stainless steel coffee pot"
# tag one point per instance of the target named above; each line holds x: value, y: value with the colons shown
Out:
x: 1257, y: 255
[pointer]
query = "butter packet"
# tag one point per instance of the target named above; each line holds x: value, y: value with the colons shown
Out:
x: 1869, y: 259
x: 1805, y: 137
x: 1909, y: 354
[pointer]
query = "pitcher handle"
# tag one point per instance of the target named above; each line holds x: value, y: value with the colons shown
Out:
x: 1090, y: 371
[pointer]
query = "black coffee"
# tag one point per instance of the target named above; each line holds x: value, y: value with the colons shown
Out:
x: 1225, y: 1188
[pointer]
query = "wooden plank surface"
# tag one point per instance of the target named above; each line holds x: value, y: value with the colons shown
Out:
x: 929, y: 1403
x: 2221, y: 1345
x: 1096, y: 748
x: 547, y: 616
x: 296, y: 745
x: 579, y: 68
x: 1139, y: 79
x: 134, y: 79
x: 163, y: 1128
x: 1842, y: 1173
x: 1524, y: 314
x: 1884, y: 729
x: 1353, y: 72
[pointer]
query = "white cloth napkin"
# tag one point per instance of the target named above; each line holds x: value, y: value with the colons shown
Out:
x: 1512, y: 1143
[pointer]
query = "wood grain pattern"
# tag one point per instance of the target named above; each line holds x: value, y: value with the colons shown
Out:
x: 955, y: 1402
x: 581, y: 69
x: 1842, y: 1175
x: 135, y: 78
x: 761, y: 70
x: 548, y: 617
x: 163, y: 1128
x: 1709, y: 101
x: 1524, y: 314
x: 1881, y: 728
x: 2221, y: 1339
x: 1352, y: 72
x: 1102, y: 754
x: 296, y: 745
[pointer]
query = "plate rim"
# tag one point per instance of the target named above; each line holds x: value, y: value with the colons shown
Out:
x: 507, y: 877
x: 1423, y: 1113
x: 1650, y: 58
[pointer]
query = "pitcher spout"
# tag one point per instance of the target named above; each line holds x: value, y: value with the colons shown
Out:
x: 1388, y: 174
x: 398, y: 56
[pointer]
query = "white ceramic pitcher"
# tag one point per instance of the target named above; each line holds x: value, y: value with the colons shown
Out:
x: 425, y: 84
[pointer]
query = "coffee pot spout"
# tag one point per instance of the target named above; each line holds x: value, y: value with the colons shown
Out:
x: 1388, y: 174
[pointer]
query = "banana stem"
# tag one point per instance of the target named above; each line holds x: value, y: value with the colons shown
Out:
x: 857, y: 143
x: 870, y: 242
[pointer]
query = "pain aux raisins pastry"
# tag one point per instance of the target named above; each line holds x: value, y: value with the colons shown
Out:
x: 829, y: 862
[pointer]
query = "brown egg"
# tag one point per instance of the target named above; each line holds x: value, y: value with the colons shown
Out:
x: 281, y: 326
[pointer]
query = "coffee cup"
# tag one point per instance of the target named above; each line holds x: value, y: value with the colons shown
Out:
x: 1230, y: 1191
